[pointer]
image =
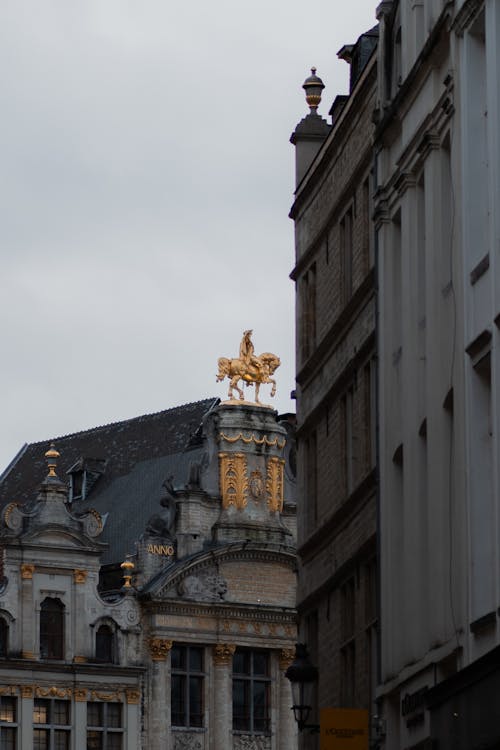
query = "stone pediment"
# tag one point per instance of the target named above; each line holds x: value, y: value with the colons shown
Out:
x: 55, y: 536
x: 242, y: 573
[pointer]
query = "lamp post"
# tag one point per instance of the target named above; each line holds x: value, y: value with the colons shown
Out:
x: 303, y: 676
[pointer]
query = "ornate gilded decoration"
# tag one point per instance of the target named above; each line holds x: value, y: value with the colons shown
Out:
x: 223, y: 653
x: 79, y: 576
x: 159, y: 648
x: 53, y: 692
x: 80, y: 660
x: 80, y: 695
x: 275, y: 483
x: 253, y: 439
x: 92, y: 523
x: 287, y: 655
x: 127, y: 566
x: 96, y: 695
x: 233, y: 479
x: 27, y: 655
x: 256, y: 484
x: 13, y: 517
x: 52, y: 455
x: 26, y: 691
x: 133, y: 697
x: 27, y: 570
x: 249, y: 368
x: 10, y: 690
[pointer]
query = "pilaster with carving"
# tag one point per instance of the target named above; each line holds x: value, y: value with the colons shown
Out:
x: 233, y: 479
x: 275, y: 483
x: 160, y: 737
x: 223, y: 718
x: 287, y: 734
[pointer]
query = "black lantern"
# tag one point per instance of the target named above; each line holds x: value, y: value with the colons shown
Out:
x: 303, y: 675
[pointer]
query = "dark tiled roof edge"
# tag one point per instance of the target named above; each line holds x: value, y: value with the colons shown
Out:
x: 213, y: 401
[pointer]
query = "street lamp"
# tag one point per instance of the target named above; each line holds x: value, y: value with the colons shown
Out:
x: 303, y: 676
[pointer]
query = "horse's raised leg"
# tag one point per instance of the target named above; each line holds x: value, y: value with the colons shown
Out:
x: 257, y: 387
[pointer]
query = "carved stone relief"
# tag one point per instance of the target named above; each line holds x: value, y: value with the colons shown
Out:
x: 251, y: 742
x: 186, y: 741
x: 205, y: 587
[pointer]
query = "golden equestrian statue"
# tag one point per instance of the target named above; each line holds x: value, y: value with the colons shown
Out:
x: 249, y: 368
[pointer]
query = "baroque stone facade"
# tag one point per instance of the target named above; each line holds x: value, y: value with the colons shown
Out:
x: 182, y: 647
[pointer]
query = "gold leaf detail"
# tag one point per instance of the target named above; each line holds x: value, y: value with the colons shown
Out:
x: 159, y: 648
x: 223, y: 653
x: 233, y: 479
x: 275, y: 483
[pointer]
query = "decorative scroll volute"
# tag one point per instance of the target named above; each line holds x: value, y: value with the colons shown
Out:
x: 159, y: 648
x: 275, y: 483
x: 233, y: 479
x: 223, y: 653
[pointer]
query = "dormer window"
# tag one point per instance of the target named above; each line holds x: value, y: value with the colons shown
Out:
x: 83, y: 475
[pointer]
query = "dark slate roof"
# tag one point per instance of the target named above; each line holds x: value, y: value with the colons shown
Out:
x: 138, y: 455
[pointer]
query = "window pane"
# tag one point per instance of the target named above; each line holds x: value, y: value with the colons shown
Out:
x: 260, y: 663
x: 196, y: 659
x: 178, y: 657
x: 178, y: 700
x: 7, y: 739
x: 114, y: 741
x: 61, y: 739
x: 260, y: 706
x: 195, y: 701
x: 40, y: 739
x: 104, y: 642
x: 241, y: 705
x: 60, y: 712
x: 51, y: 629
x: 4, y: 636
x: 41, y: 712
x: 8, y: 709
x: 94, y: 714
x: 114, y: 715
x: 94, y: 740
x: 241, y: 662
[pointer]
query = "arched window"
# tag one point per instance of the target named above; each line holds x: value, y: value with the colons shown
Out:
x: 104, y: 644
x: 4, y: 637
x: 52, y: 629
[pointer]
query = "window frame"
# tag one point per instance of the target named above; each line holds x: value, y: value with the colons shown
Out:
x: 249, y: 681
x: 185, y: 675
x: 8, y: 727
x: 103, y: 728
x: 51, y: 638
x: 51, y: 727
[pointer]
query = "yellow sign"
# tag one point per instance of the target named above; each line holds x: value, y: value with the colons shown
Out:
x: 161, y: 549
x: 343, y: 729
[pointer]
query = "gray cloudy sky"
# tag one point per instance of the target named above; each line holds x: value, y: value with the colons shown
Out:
x: 146, y: 179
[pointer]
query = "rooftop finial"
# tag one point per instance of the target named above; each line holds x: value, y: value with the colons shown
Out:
x: 52, y: 455
x: 313, y: 86
x: 127, y: 566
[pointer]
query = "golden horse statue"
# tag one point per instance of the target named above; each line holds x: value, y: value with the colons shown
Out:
x: 249, y: 368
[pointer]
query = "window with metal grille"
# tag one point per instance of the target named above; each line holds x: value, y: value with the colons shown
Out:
x: 104, y: 726
x: 52, y: 724
x: 52, y: 629
x: 251, y: 690
x: 8, y: 723
x: 187, y: 685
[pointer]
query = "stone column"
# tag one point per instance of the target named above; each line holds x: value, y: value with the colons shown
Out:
x: 80, y: 645
x: 159, y: 708
x: 221, y: 722
x: 287, y: 726
x: 80, y: 718
x: 25, y: 721
x: 133, y: 723
x: 28, y: 647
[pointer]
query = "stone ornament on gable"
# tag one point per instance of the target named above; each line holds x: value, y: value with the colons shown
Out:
x: 205, y: 588
x: 185, y: 741
x: 249, y: 368
x: 251, y: 742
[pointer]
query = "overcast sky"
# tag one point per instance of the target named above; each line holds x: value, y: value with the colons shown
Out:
x: 146, y: 179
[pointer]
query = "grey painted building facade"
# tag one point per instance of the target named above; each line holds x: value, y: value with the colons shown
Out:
x: 185, y: 645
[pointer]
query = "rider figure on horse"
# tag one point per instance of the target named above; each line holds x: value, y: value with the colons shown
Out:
x: 247, y: 352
